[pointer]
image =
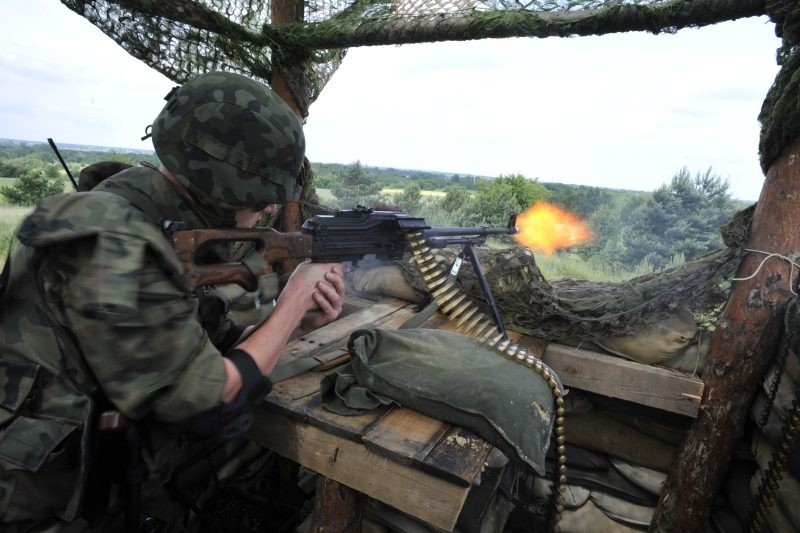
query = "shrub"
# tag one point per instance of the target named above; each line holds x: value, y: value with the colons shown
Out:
x: 410, y: 199
x: 356, y: 186
x: 32, y: 187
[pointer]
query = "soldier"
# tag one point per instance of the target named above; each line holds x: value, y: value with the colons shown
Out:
x: 96, y: 314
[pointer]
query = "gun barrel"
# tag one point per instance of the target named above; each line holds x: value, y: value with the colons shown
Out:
x: 464, y: 232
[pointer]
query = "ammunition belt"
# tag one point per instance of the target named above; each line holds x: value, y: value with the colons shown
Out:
x: 771, y: 477
x: 471, y: 321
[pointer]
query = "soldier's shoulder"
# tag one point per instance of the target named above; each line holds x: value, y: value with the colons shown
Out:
x: 120, y: 230
x: 70, y: 216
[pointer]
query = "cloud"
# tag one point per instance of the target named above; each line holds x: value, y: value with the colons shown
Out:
x: 622, y: 111
x: 65, y: 79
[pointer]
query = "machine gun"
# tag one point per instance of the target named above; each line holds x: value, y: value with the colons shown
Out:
x: 347, y: 235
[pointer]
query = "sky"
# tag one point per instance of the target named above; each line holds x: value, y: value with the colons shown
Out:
x: 625, y: 111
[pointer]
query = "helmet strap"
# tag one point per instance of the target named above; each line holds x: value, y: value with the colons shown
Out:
x: 208, y: 214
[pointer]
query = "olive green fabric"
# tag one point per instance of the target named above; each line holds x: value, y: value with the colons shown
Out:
x: 655, y: 343
x: 90, y: 176
x: 343, y: 395
x: 453, y: 378
x: 385, y: 279
x: 96, y: 299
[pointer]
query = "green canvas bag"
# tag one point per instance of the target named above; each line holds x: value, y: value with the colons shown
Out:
x: 450, y: 377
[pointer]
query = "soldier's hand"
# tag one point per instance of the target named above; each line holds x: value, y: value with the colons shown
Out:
x: 312, y: 283
x: 329, y: 298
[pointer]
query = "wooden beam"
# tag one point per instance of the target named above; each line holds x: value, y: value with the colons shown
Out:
x: 746, y: 336
x: 336, y: 508
x: 616, y: 377
x: 426, y: 497
x: 286, y: 12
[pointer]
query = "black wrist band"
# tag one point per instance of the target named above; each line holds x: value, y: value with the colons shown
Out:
x: 254, y: 385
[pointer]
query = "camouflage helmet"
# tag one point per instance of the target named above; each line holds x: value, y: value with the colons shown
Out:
x: 230, y: 140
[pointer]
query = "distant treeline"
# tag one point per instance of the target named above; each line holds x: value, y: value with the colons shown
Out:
x: 326, y: 176
x: 17, y: 159
x: 645, y: 230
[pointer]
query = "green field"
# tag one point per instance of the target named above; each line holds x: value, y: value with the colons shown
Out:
x: 10, y: 218
x: 425, y: 194
x: 326, y: 197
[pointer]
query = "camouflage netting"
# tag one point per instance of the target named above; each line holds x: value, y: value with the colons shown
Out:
x: 780, y: 114
x: 306, y: 41
x: 570, y: 310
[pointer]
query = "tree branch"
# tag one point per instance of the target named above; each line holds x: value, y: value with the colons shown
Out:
x: 655, y: 18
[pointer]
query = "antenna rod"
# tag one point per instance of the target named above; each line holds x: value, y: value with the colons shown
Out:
x: 61, y: 160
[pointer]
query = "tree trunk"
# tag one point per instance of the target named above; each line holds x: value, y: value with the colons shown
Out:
x: 284, y: 12
x: 741, y: 347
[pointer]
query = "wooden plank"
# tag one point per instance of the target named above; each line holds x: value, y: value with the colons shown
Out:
x: 331, y: 333
x: 458, y: 456
x: 292, y: 396
x: 298, y: 396
x: 348, y: 427
x: 354, y: 303
x: 405, y: 435
x: 395, y: 320
x: 619, y: 378
x: 389, y: 315
x: 419, y: 494
x: 336, y: 508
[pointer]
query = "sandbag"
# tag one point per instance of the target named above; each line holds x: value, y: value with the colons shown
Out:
x: 456, y: 379
x: 655, y: 343
x: 385, y: 280
x: 598, y: 431
x: 589, y: 517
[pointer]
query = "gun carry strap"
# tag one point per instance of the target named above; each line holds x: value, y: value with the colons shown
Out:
x: 473, y: 322
x: 318, y: 362
x: 419, y: 318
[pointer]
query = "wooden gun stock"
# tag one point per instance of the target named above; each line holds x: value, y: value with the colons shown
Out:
x: 281, y: 251
x: 348, y: 235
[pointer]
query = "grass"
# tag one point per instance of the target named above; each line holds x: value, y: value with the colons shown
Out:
x: 326, y: 197
x: 10, y: 218
x: 426, y: 194
x: 566, y: 265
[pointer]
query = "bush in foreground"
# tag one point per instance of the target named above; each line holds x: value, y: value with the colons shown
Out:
x: 32, y: 187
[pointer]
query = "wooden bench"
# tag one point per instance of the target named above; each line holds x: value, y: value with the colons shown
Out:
x: 412, y: 462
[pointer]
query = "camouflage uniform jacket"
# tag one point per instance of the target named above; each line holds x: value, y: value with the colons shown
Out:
x: 97, y: 306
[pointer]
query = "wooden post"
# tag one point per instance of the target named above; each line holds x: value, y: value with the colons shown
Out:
x: 741, y: 347
x: 284, y: 11
x: 336, y: 508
